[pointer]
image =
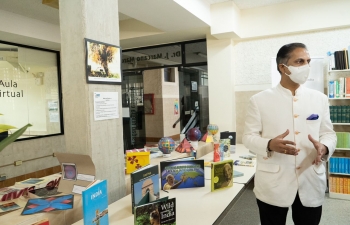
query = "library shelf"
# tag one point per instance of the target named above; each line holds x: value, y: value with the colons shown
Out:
x: 341, y: 123
x: 343, y: 174
x: 339, y: 195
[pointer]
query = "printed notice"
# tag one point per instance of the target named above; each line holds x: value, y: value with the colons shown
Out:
x: 78, y: 189
x: 85, y: 177
x: 105, y: 105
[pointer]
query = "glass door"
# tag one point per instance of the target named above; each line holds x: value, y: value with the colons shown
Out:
x: 193, y: 90
x: 133, y: 110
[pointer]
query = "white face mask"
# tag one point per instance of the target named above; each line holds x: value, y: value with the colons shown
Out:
x: 299, y: 74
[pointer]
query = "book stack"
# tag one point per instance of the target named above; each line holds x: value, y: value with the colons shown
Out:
x: 340, y: 61
x: 339, y: 88
x: 339, y: 185
x: 343, y: 140
x: 340, y: 113
x: 339, y: 165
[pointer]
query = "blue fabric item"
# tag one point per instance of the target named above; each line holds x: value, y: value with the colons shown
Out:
x: 312, y: 117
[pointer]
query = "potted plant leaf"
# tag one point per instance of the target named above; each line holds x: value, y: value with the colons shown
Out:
x: 6, y: 139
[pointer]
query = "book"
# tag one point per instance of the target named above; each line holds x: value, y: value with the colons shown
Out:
x: 136, y: 160
x: 236, y: 173
x: 156, y: 213
x: 250, y: 157
x: 49, y: 204
x: 182, y: 174
x: 95, y: 203
x: 221, y: 174
x: 244, y: 163
x: 143, y: 180
x: 8, y: 206
x: 224, y: 149
x: 46, y: 184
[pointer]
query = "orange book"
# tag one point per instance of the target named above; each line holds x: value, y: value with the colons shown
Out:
x: 334, y: 184
x: 345, y: 186
x: 348, y: 186
x: 330, y: 184
x: 337, y: 190
x: 136, y: 160
x: 341, y: 185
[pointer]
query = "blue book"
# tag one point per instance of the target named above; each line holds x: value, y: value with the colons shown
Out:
x: 342, y: 165
x: 336, y: 165
x: 95, y: 204
x: 331, y: 165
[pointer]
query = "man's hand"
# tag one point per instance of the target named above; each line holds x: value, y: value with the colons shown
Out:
x: 283, y: 146
x: 320, y: 148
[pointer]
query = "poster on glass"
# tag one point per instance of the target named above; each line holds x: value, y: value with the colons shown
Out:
x: 102, y: 62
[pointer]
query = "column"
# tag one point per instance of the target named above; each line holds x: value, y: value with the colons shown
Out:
x: 221, y: 83
x: 102, y: 140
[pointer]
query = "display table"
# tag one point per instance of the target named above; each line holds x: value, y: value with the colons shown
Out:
x: 62, y: 217
x: 203, y: 149
x: 248, y: 171
x: 193, y: 205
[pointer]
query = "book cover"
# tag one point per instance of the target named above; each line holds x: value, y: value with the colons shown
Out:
x: 144, y: 180
x: 244, y: 163
x: 156, y: 213
x: 8, y: 206
x: 224, y: 147
x: 95, y: 203
x: 221, y: 174
x: 236, y: 173
x: 182, y: 174
x: 50, y: 204
x: 136, y: 160
x: 250, y: 157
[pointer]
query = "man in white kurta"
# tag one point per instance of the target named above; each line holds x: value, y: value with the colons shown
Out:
x: 289, y: 129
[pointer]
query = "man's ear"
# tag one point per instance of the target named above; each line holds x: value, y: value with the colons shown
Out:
x: 282, y: 68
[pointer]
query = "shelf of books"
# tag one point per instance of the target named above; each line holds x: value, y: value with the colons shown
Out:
x: 338, y: 88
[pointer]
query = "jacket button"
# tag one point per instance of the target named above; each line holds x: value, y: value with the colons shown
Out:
x: 297, y: 132
x: 298, y: 167
x: 295, y: 99
x: 296, y: 115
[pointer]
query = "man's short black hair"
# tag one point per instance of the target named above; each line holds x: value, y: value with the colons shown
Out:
x: 284, y: 53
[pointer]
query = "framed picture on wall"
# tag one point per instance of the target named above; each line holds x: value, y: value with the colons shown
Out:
x: 103, y: 64
x: 148, y: 103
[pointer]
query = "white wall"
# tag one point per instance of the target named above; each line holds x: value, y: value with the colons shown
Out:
x: 252, y: 58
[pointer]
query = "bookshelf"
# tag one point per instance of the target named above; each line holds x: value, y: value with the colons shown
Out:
x: 338, y: 173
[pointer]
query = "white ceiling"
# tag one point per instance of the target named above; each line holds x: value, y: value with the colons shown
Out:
x: 246, y: 4
x: 36, y: 10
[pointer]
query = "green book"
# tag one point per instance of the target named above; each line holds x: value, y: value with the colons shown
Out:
x: 343, y: 113
x: 335, y: 114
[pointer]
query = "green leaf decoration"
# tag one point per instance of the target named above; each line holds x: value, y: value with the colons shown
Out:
x: 4, y: 127
x: 11, y: 138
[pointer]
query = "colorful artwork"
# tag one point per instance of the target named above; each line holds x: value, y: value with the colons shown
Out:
x: 69, y: 171
x: 39, y: 205
x: 194, y: 134
x: 166, y: 145
x: 102, y: 62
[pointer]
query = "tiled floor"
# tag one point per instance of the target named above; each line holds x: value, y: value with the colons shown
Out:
x: 245, y: 211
